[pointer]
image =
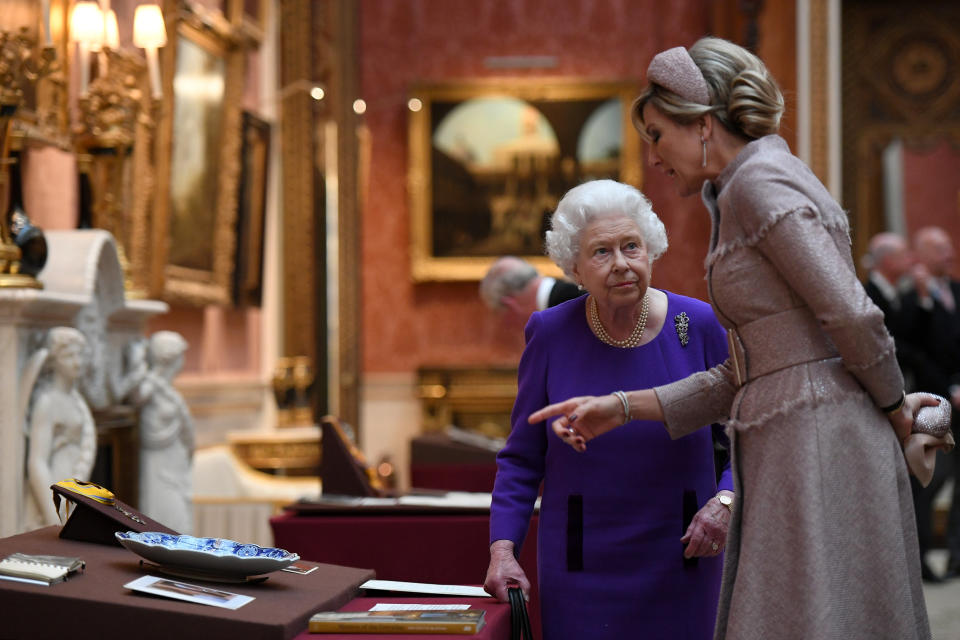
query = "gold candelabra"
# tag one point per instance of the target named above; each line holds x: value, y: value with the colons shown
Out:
x: 116, y: 122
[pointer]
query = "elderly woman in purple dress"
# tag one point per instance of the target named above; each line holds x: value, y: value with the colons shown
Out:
x: 822, y: 543
x: 630, y: 533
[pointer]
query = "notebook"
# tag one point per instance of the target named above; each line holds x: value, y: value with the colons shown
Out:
x: 38, y: 569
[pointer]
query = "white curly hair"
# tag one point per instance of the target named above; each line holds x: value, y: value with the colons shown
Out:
x: 595, y: 199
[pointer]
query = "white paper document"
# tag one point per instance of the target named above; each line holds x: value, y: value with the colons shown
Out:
x: 458, y: 499
x: 396, y: 606
x: 424, y: 587
x: 179, y: 590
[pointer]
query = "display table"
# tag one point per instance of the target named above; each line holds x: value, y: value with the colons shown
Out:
x: 496, y: 627
x: 408, y: 544
x: 93, y: 604
x: 439, y: 462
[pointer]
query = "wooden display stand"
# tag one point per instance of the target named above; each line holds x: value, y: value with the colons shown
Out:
x: 343, y: 469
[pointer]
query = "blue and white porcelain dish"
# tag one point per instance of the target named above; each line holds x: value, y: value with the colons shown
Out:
x: 209, y: 555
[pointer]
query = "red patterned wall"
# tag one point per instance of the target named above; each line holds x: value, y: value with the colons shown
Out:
x: 407, y: 325
x: 931, y: 189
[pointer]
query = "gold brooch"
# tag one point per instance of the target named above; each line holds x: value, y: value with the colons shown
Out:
x: 681, y: 322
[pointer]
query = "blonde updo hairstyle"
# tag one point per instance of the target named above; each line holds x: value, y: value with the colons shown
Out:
x: 744, y: 96
x: 597, y: 199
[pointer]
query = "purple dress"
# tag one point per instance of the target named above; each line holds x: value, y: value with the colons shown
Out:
x: 610, y: 560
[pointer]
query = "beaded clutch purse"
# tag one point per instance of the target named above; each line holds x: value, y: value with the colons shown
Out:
x: 931, y: 432
x: 934, y: 421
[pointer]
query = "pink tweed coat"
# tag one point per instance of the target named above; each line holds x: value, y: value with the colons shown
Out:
x: 823, y: 543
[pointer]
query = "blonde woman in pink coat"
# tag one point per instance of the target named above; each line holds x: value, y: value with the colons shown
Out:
x: 823, y: 542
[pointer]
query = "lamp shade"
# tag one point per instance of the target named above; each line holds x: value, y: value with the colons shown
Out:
x: 148, y: 28
x: 112, y: 39
x: 86, y: 24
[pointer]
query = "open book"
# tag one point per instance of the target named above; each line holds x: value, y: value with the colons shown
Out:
x: 38, y: 569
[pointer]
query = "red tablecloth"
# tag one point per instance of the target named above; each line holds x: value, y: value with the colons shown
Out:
x: 496, y: 627
x: 453, y: 477
x: 415, y: 547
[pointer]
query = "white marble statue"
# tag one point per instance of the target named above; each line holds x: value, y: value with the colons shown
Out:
x: 93, y: 384
x: 166, y: 437
x: 61, y: 436
x: 125, y: 380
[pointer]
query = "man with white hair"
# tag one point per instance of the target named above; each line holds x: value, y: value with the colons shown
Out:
x: 514, y: 286
x: 888, y: 260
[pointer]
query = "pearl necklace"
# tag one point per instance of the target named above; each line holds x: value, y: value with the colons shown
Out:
x: 635, y: 336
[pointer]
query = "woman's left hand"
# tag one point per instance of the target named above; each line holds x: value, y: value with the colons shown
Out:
x: 707, y: 534
x: 902, y: 420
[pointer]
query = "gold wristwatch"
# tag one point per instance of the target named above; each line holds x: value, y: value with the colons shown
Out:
x: 726, y: 501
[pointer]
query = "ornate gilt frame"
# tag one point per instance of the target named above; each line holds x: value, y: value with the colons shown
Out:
x: 180, y: 283
x: 425, y: 266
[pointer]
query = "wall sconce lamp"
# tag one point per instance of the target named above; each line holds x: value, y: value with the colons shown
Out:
x: 92, y: 29
x: 87, y: 30
x: 150, y: 34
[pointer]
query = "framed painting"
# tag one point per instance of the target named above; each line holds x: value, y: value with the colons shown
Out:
x: 489, y: 161
x: 199, y: 167
x: 251, y: 214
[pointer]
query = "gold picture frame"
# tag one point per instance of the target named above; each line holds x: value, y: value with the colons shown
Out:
x: 489, y: 160
x: 251, y: 211
x: 198, y: 164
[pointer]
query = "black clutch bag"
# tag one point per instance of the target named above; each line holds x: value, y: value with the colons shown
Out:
x: 519, y: 620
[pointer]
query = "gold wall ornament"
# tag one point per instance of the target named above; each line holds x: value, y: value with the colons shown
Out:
x: 293, y: 379
x: 32, y: 77
x: 114, y: 138
x: 108, y: 111
x: 283, y: 390
x: 302, y: 378
x: 19, y: 63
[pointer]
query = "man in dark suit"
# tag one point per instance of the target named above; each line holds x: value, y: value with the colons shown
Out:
x: 888, y: 261
x: 514, y: 286
x: 934, y: 319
